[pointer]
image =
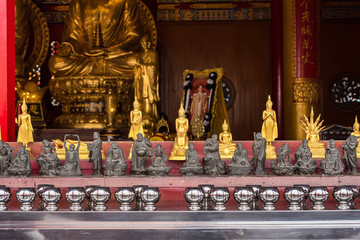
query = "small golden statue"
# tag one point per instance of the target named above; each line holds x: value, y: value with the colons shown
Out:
x: 181, y: 141
x: 25, y: 134
x: 312, y: 130
x: 136, y: 121
x: 226, y: 146
x: 356, y: 133
x: 269, y: 129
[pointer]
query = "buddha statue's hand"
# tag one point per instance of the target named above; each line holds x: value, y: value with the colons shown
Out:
x: 65, y: 49
x: 96, y: 53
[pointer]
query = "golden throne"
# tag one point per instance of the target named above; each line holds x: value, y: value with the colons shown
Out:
x: 78, y: 93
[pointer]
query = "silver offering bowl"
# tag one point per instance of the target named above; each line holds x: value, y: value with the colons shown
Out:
x: 355, y: 190
x: 75, y: 196
x: 100, y: 196
x: 51, y: 197
x: 194, y: 196
x: 139, y: 203
x: 220, y: 196
x: 269, y: 196
x: 294, y: 196
x: 318, y: 195
x: 5, y: 196
x: 39, y: 189
x: 150, y: 196
x: 88, y: 190
x: 343, y: 195
x: 306, y: 189
x: 255, y: 202
x: 125, y: 196
x: 206, y: 204
x: 26, y: 197
x: 244, y: 196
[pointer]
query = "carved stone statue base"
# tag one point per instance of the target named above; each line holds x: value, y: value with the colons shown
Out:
x: 270, y: 152
x: 158, y: 171
x: 317, y: 150
x: 239, y: 170
x: 282, y: 171
x: 138, y: 172
x: 191, y: 171
x: 307, y: 170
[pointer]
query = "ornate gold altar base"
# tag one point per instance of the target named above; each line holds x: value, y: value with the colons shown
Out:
x: 317, y: 150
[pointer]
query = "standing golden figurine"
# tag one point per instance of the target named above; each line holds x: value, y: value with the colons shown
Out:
x: 181, y: 140
x: 146, y: 82
x: 312, y: 130
x: 356, y: 133
x: 25, y: 134
x: 136, y: 121
x: 226, y: 146
x: 269, y: 129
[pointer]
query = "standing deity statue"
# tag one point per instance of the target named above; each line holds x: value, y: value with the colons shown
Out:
x: 141, y: 149
x: 25, y: 133
x: 269, y: 129
x: 212, y: 161
x: 356, y: 133
x: 259, y: 154
x: 71, y: 167
x: 95, y: 154
x: 198, y: 105
x: 350, y: 155
x: 136, y: 121
x: 226, y: 146
x: 181, y: 139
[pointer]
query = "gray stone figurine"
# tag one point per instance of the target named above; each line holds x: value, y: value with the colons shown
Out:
x: 95, y: 153
x: 283, y: 165
x: 332, y: 164
x: 115, y: 161
x: 20, y: 165
x: 6, y: 157
x: 305, y: 165
x: 350, y: 157
x: 240, y: 164
x: 259, y: 154
x: 71, y: 167
x: 158, y: 166
x: 140, y: 151
x: 192, y: 166
x: 212, y: 161
x: 48, y: 161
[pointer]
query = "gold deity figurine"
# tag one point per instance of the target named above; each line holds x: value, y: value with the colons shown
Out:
x: 25, y: 134
x: 269, y: 129
x: 181, y: 140
x: 226, y: 146
x: 312, y: 130
x: 356, y: 133
x: 136, y: 121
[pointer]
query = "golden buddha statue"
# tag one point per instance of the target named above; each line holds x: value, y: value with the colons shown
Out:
x: 136, y: 121
x: 356, y: 133
x: 312, y: 130
x: 181, y: 140
x: 226, y: 146
x: 269, y: 129
x: 25, y: 133
x: 100, y: 47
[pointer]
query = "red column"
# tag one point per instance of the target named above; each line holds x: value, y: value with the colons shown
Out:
x: 7, y: 69
x: 277, y: 61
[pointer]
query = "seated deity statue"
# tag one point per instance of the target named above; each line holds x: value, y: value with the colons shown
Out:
x: 47, y: 160
x: 6, y: 156
x: 20, y: 165
x: 159, y: 167
x: 226, y: 146
x: 332, y: 164
x: 115, y: 161
x: 71, y: 167
x: 191, y: 166
x: 304, y: 163
x: 212, y: 161
x: 240, y: 164
x: 140, y: 151
x: 283, y: 165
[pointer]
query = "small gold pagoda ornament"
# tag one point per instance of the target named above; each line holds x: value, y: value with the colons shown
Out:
x: 312, y: 130
x: 269, y: 129
x: 25, y: 133
x: 181, y: 140
x: 356, y: 133
x: 197, y: 129
x: 226, y: 146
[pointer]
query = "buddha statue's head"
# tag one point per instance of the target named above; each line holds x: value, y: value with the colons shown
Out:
x: 305, y: 143
x: 114, y: 145
x: 72, y: 147
x: 181, y: 111
x: 22, y: 149
x: 214, y: 137
x: 269, y: 103
x: 46, y: 142
x: 191, y: 146
x: 136, y: 104
x: 145, y: 42
x: 356, y: 125
x: 332, y: 143
x: 225, y: 126
x: 240, y: 146
x: 96, y: 135
x: 24, y: 106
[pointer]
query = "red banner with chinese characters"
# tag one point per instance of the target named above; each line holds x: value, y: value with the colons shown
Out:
x: 306, y: 29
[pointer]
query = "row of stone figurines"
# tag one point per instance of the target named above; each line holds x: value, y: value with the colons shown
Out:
x: 19, y: 164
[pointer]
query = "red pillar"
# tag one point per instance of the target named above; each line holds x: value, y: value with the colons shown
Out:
x: 7, y: 69
x: 277, y: 61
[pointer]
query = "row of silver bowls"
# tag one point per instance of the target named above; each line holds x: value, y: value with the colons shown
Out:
x: 204, y: 196
x: 146, y: 197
